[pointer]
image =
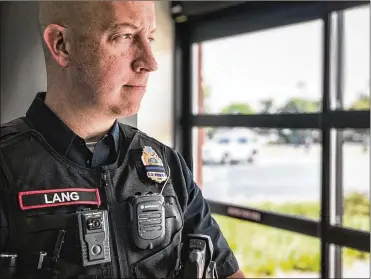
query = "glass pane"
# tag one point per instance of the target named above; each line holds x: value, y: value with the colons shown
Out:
x: 270, y: 169
x: 356, y: 178
x: 351, y: 178
x: 357, y: 58
x: 269, y: 252
x: 272, y: 71
x: 356, y: 264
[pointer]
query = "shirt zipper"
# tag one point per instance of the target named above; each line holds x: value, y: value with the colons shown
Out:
x: 108, y: 193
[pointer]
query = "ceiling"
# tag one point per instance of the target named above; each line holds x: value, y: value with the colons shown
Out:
x: 202, y: 9
x: 199, y: 8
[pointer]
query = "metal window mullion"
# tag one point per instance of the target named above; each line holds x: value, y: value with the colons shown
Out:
x: 339, y: 195
x: 326, y: 149
x: 178, y: 93
x: 183, y: 64
x: 355, y: 239
x: 337, y: 119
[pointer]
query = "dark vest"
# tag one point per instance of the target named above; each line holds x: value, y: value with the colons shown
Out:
x: 29, y: 163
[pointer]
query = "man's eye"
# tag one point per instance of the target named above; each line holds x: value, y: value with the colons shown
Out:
x: 151, y: 40
x: 124, y: 36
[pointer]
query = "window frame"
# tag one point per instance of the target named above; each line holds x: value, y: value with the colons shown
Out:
x: 243, y: 19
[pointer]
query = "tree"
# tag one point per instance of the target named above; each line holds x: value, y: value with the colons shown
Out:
x: 300, y: 105
x: 267, y: 105
x: 237, y: 108
x: 362, y: 103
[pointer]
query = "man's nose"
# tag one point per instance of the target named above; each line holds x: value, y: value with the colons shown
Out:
x: 146, y: 61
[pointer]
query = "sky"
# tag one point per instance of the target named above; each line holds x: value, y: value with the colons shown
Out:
x: 271, y: 63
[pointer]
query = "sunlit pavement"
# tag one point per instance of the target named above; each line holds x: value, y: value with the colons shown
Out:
x: 283, y: 173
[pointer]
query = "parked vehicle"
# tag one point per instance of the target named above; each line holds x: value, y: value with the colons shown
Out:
x: 233, y: 146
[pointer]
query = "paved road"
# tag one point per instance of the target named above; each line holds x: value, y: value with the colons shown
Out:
x: 283, y: 174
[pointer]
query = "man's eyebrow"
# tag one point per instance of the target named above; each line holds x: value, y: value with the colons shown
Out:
x: 126, y: 25
x: 123, y: 25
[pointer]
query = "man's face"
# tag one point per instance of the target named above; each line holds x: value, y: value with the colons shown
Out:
x: 111, y: 57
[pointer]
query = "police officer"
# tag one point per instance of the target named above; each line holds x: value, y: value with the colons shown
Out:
x: 83, y: 196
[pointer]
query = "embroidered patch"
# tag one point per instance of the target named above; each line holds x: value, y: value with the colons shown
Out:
x: 58, y: 197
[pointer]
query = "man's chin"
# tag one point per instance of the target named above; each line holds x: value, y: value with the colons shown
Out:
x: 124, y: 111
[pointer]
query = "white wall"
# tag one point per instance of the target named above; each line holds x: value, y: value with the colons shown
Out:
x: 155, y: 116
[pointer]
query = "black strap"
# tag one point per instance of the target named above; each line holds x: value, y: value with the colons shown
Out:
x: 6, y: 207
x: 5, y: 172
x: 13, y: 127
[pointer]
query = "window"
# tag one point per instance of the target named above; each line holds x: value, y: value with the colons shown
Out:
x: 291, y: 153
x: 350, y: 59
x: 223, y: 141
x: 273, y: 71
x: 357, y: 58
x: 349, y: 263
x: 242, y: 140
x: 271, y: 253
x: 351, y: 178
x: 356, y: 264
x: 280, y: 171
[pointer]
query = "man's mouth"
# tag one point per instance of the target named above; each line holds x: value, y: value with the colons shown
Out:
x: 135, y: 86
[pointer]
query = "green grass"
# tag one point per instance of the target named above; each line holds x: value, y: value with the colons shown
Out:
x: 263, y: 251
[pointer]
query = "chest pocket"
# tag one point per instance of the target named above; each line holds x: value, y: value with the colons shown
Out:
x: 41, y: 231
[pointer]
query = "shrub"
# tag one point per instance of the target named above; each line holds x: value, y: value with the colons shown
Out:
x: 263, y: 251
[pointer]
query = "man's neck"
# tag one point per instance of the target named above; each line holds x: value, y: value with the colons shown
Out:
x: 87, y: 124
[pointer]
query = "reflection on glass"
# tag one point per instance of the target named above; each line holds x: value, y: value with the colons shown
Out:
x: 356, y: 178
x: 276, y: 170
x: 271, y: 253
x: 356, y: 264
x: 357, y: 58
x: 273, y: 71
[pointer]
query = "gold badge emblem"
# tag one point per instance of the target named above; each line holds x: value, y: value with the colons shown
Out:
x: 153, y: 165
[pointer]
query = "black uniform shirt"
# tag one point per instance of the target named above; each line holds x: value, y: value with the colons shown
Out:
x: 197, y: 217
x: 66, y: 142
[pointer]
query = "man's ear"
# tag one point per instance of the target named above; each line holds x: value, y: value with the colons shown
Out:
x: 55, y: 38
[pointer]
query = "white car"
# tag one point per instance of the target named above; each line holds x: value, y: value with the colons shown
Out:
x: 231, y: 147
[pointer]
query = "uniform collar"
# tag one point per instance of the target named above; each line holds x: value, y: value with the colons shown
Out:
x: 55, y: 131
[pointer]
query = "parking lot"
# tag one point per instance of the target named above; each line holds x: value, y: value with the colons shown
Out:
x: 283, y: 173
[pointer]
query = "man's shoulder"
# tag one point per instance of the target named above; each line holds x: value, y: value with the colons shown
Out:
x: 11, y: 123
x: 131, y: 131
x: 173, y: 157
x: 13, y: 127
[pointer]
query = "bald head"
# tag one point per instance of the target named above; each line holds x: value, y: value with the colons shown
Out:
x: 59, y: 12
x: 100, y: 49
x: 76, y: 16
